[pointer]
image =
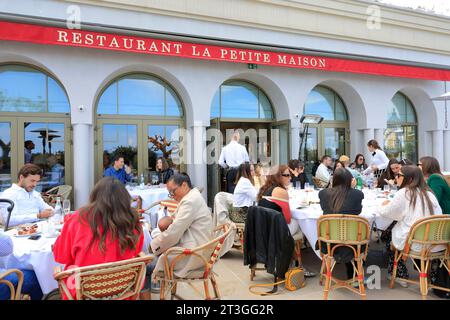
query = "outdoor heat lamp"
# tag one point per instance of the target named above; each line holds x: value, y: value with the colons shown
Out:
x: 311, y: 119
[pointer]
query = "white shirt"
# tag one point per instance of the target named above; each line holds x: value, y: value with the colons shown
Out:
x: 400, y: 210
x: 26, y: 205
x: 322, y: 173
x: 244, y: 194
x: 379, y: 159
x: 233, y: 155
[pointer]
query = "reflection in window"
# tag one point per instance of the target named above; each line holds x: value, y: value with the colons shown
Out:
x: 241, y: 100
x: 327, y: 103
x: 400, y: 137
x: 44, y: 146
x: 163, y: 141
x: 23, y: 89
x: 139, y: 94
x: 5, y: 156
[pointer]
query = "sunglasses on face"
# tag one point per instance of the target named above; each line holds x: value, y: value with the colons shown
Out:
x: 419, y: 164
x: 286, y: 175
x: 399, y: 175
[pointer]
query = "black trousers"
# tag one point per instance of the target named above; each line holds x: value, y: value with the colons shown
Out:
x: 231, y: 177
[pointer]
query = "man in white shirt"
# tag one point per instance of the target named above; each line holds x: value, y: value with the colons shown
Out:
x: 28, y: 203
x: 322, y: 172
x: 231, y: 157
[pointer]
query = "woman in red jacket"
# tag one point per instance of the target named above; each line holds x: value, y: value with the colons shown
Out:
x: 106, y: 230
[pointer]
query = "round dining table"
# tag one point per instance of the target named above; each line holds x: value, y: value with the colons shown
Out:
x: 306, y: 210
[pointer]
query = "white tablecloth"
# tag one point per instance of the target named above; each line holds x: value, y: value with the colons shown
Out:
x: 150, y: 195
x: 34, y: 255
x: 307, y: 216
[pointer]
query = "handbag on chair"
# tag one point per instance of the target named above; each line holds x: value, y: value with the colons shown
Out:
x: 294, y: 280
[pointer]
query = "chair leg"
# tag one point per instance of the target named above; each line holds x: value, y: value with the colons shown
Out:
x: 327, y: 278
x: 215, y: 287
x: 252, y: 272
x: 423, y: 279
x: 206, y: 285
x: 162, y: 289
x: 298, y: 252
x: 362, y: 289
x: 394, y: 270
x: 322, y: 267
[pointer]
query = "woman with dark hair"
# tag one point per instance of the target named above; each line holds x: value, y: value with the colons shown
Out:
x: 105, y: 230
x: 297, y: 168
x: 163, y: 170
x: 342, y: 199
x: 379, y: 161
x: 388, y: 176
x: 337, y: 165
x: 436, y: 181
x: 360, y: 163
x: 275, y: 188
x: 412, y: 202
x: 273, y: 195
x: 244, y: 193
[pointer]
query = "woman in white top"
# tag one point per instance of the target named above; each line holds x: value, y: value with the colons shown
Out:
x: 412, y: 202
x: 379, y: 160
x: 244, y: 194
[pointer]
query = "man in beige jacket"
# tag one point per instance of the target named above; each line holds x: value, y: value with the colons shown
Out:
x: 191, y: 227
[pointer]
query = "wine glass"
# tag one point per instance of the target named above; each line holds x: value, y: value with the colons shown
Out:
x: 307, y: 189
x: 66, y: 207
x: 386, y: 189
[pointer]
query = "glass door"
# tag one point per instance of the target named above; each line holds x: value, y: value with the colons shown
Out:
x: 7, y: 167
x: 118, y: 138
x: 162, y: 140
x: 280, y: 142
x: 213, y: 149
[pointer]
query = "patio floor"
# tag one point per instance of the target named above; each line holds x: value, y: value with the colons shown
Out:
x: 234, y: 280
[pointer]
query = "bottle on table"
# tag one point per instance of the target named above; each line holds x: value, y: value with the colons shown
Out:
x: 359, y: 183
x: 142, y: 183
x: 58, y: 214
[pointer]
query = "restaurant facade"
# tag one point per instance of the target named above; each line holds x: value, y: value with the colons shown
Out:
x: 149, y: 79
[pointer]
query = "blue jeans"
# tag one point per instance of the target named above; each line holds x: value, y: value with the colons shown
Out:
x: 30, y: 285
x: 148, y: 274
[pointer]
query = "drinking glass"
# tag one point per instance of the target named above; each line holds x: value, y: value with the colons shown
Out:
x: 386, y: 189
x: 66, y: 207
x: 307, y: 187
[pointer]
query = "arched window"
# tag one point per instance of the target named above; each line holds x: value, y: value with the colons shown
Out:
x: 35, y: 109
x: 327, y: 103
x: 139, y: 94
x: 241, y: 100
x: 331, y: 136
x: 24, y: 89
x: 400, y: 137
x: 138, y: 117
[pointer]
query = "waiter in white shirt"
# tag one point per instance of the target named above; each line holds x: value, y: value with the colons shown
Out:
x: 231, y: 157
x: 379, y: 160
x: 28, y: 204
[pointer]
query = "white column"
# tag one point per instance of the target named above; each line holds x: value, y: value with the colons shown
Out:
x: 83, y: 165
x: 197, y: 168
x: 438, y: 145
x: 295, y: 139
x: 379, y: 136
x: 368, y: 135
x: 446, y: 164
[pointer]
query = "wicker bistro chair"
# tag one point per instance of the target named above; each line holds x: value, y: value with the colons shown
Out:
x: 429, y: 232
x: 15, y: 293
x: 62, y: 191
x: 340, y: 230
x: 107, y: 281
x: 319, y: 183
x: 207, y: 254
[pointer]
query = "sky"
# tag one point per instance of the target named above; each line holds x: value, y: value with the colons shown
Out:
x: 436, y: 6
